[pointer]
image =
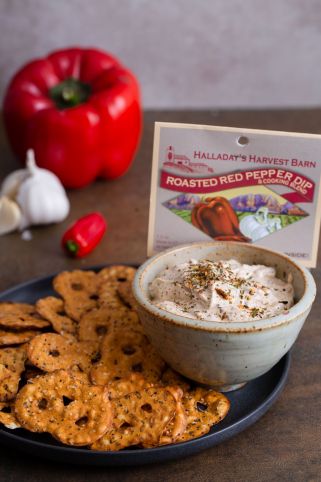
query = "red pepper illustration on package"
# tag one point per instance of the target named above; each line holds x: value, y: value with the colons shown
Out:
x: 216, y: 218
x: 79, y: 109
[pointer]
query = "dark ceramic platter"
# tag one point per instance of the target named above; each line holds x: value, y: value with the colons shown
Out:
x: 248, y: 404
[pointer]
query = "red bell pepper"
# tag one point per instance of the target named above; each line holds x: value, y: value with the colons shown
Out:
x: 79, y: 109
x: 84, y: 235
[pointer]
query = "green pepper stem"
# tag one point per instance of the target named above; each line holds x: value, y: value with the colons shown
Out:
x: 67, y: 94
x: 70, y: 93
x: 72, y: 247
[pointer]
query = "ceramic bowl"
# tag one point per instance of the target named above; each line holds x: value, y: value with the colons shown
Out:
x: 224, y: 355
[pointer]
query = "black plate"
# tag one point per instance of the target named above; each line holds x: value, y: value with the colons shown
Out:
x: 248, y: 404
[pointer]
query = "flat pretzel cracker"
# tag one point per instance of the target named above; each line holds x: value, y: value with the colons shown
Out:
x: 124, y: 386
x: 203, y: 408
x: 8, y: 337
x: 139, y: 419
x: 177, y: 425
x: 7, y: 417
x: 53, y: 310
x: 125, y: 353
x: 66, y: 405
x: 12, y: 364
x: 110, y: 279
x: 50, y: 352
x: 95, y: 324
x: 20, y: 316
x: 117, y: 273
x: 79, y: 291
x: 125, y: 292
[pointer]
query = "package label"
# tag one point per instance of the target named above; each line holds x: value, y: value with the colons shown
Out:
x: 222, y: 183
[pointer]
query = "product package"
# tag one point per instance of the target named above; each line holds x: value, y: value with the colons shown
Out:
x: 223, y: 183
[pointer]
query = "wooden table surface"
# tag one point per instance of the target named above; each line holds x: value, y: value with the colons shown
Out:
x: 284, y: 444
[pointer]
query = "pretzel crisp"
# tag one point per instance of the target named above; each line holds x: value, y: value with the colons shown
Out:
x: 123, y: 354
x: 79, y: 291
x: 125, y: 293
x: 7, y: 417
x: 177, y: 425
x: 50, y: 352
x: 95, y: 324
x: 117, y: 273
x: 124, y: 386
x: 53, y: 310
x: 140, y: 418
x: 203, y: 408
x: 66, y: 405
x: 110, y: 280
x: 20, y: 316
x: 12, y: 364
x: 8, y: 337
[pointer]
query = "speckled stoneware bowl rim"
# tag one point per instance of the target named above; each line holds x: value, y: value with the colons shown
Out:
x: 295, y: 311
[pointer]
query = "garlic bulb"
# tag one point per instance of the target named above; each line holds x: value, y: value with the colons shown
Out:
x: 258, y: 226
x: 41, y: 196
x: 10, y: 215
x: 38, y: 192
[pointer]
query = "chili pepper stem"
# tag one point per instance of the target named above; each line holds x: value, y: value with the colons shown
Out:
x: 71, y: 247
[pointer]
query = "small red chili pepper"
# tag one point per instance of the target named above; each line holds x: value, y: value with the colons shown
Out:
x: 84, y: 235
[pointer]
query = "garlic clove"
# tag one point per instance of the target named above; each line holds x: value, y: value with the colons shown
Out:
x: 10, y: 215
x: 12, y: 182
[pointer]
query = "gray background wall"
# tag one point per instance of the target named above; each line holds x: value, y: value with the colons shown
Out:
x: 186, y: 53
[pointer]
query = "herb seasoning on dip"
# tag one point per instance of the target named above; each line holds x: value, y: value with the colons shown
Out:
x: 221, y: 291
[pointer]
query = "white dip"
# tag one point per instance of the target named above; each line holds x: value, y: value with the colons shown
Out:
x: 221, y: 291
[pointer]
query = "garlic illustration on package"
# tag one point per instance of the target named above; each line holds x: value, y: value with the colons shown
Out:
x: 259, y: 225
x: 31, y: 196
